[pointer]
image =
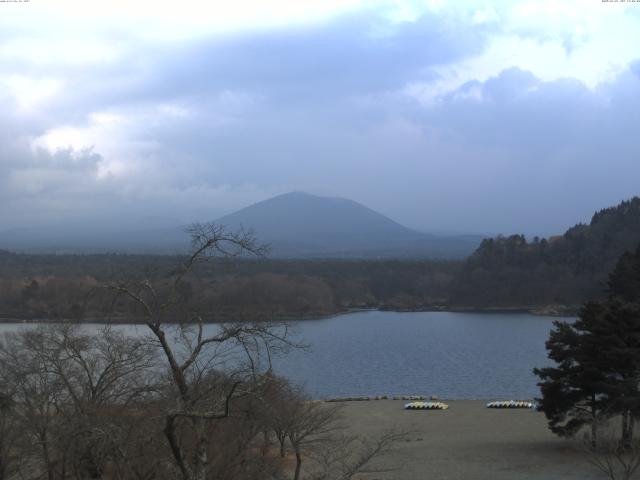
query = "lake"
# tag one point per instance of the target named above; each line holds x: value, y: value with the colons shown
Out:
x: 451, y: 355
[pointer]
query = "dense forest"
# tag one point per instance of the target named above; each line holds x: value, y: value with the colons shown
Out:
x: 50, y: 286
x: 544, y: 275
x: 562, y: 270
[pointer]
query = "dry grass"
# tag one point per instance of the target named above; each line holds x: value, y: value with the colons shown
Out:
x: 469, y: 441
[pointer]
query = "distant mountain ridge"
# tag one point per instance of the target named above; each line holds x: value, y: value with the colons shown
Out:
x: 295, y: 225
x: 300, y: 224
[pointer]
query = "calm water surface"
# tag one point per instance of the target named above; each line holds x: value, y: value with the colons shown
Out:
x: 451, y: 355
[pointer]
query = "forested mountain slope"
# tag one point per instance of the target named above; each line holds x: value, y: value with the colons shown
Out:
x: 511, y: 271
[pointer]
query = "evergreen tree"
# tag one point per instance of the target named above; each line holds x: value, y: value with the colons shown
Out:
x: 597, y: 372
x: 623, y: 348
x: 618, y: 333
x: 572, y: 391
x: 624, y: 281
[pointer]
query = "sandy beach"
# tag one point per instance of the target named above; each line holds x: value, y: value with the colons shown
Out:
x: 469, y: 441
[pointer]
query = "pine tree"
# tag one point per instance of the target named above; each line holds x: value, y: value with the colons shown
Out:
x: 597, y: 372
x: 572, y: 392
x: 624, y: 347
x: 624, y: 281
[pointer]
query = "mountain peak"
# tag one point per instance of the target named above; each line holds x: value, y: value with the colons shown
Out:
x: 295, y: 225
x: 303, y: 224
x: 305, y: 196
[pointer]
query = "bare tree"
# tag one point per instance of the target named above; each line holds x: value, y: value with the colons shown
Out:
x: 70, y: 391
x: 617, y: 459
x: 311, y: 423
x: 36, y: 393
x: 9, y: 463
x: 316, y: 432
x: 102, y: 375
x: 186, y: 400
x: 196, y: 355
x: 281, y: 404
x: 349, y: 455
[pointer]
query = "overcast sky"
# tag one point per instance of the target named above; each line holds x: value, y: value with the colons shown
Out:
x: 486, y: 117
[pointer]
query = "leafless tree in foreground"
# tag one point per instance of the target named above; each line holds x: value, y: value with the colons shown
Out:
x: 69, y: 390
x: 209, y: 368
x: 9, y: 460
x: 346, y: 456
x: 617, y: 459
x: 311, y: 423
x: 316, y: 433
x: 186, y: 401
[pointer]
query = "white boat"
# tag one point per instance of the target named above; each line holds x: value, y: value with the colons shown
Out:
x: 426, y: 406
x: 510, y: 404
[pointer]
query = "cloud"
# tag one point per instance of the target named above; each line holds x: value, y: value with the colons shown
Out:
x: 448, y: 116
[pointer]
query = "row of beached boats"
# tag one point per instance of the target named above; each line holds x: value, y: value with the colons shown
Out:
x: 444, y: 406
x: 511, y: 404
x: 426, y: 406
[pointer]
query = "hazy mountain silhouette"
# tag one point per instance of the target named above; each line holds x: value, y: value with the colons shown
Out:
x: 304, y: 225
x: 294, y: 225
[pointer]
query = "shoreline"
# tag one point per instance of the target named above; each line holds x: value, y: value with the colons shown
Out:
x: 560, y: 311
x: 415, y: 398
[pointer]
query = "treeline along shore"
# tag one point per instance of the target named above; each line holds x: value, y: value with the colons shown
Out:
x: 550, y: 276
